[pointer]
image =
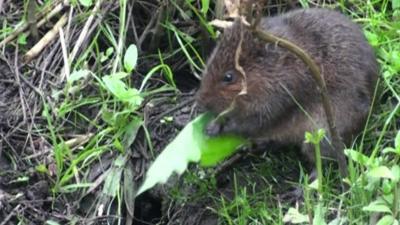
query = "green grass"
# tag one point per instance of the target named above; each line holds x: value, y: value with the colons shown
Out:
x: 102, y: 98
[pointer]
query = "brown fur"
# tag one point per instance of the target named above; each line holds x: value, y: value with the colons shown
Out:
x: 268, y: 111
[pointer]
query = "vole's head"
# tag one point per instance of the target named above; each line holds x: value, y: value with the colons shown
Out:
x: 221, y: 82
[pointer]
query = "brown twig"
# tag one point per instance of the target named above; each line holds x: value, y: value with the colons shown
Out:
x: 321, y: 87
x: 51, y: 35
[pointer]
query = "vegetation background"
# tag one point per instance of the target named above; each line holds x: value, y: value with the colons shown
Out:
x: 93, y: 90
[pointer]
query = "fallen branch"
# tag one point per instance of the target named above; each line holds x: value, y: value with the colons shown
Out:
x: 25, y: 26
x: 50, y: 36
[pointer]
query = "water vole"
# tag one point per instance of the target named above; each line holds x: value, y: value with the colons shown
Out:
x: 282, y: 101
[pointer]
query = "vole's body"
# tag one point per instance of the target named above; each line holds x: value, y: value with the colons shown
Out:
x: 278, y: 82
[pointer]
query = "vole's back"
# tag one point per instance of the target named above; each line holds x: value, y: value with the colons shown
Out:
x: 334, y: 42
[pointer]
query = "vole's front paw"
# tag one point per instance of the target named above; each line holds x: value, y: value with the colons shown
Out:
x: 213, y: 128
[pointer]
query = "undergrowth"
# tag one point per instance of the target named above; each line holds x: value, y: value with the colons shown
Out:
x: 101, y: 113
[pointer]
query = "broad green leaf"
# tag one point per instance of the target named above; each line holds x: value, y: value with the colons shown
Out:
x: 130, y: 58
x: 381, y: 172
x: 113, y: 180
x: 120, y: 90
x: 395, y: 4
x: 130, y: 131
x: 377, y: 206
x: 386, y: 220
x: 86, y: 3
x: 295, y: 217
x: 191, y: 145
x: 396, y: 173
x: 319, y: 217
x: 215, y: 149
x: 174, y: 158
x: 357, y: 156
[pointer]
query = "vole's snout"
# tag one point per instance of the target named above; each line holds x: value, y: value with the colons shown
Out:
x: 201, y: 101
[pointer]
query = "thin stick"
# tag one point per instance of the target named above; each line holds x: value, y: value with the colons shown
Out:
x: 84, y: 31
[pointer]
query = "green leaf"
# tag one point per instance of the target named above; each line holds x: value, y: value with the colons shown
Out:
x: 381, y: 172
x: 120, y: 90
x: 52, y: 222
x: 22, y: 39
x: 129, y: 188
x: 205, y: 5
x: 377, y: 206
x: 396, y: 173
x: 215, y: 149
x: 191, y: 145
x: 386, y: 220
x: 319, y: 217
x: 314, y: 137
x: 397, y: 142
x: 373, y: 38
x: 41, y: 168
x: 174, y: 158
x: 86, y: 3
x: 77, y: 75
x: 295, y: 217
x: 357, y: 156
x: 130, y: 58
x: 390, y: 149
x: 130, y: 131
x: 395, y: 4
x: 113, y: 180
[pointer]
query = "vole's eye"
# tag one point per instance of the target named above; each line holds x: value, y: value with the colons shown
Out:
x: 229, y: 77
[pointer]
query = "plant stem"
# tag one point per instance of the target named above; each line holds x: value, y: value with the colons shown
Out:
x: 318, y: 161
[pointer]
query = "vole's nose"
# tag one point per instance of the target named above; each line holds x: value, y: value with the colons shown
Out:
x: 201, y: 101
